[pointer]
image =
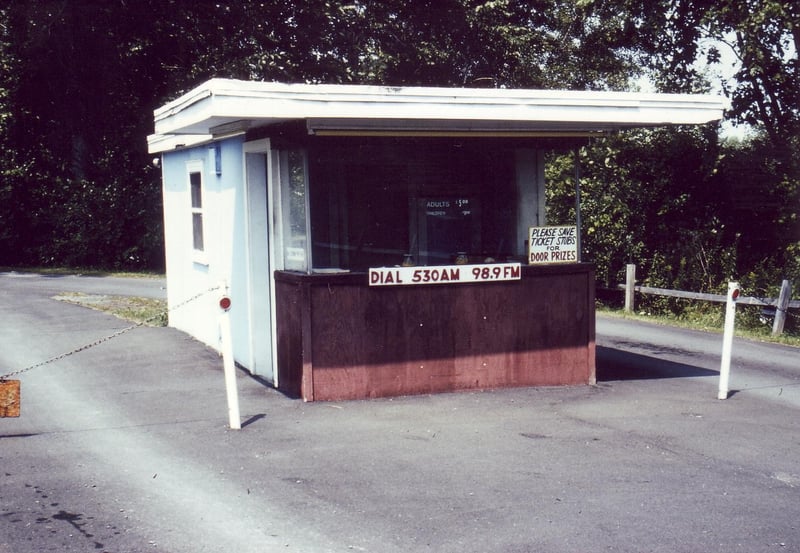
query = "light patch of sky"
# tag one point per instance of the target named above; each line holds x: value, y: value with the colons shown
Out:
x: 717, y: 74
x: 721, y: 75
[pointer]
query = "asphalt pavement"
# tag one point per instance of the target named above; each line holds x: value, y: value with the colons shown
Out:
x: 124, y: 447
x: 144, y: 287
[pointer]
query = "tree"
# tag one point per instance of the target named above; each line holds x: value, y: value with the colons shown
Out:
x: 651, y: 197
x: 496, y: 43
x: 75, y: 166
x: 80, y: 79
x: 761, y: 36
x: 765, y: 38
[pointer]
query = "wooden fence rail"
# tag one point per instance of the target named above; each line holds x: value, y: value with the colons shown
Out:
x: 781, y: 304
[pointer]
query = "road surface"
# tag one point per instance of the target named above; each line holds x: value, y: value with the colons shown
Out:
x: 125, y: 448
x: 628, y: 349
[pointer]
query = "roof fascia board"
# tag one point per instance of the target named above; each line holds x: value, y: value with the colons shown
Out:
x: 158, y: 143
x: 221, y: 101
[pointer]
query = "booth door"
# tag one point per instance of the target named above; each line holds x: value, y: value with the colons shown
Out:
x: 260, y: 284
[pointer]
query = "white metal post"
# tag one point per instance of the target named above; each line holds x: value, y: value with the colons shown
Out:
x: 226, y: 347
x: 727, y: 340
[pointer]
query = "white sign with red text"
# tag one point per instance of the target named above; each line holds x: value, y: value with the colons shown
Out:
x: 444, y: 274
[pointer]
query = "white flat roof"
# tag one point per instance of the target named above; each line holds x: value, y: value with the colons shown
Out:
x: 224, y: 106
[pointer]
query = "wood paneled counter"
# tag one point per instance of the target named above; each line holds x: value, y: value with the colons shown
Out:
x: 338, y: 338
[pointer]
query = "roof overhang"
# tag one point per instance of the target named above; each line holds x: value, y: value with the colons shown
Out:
x: 222, y: 107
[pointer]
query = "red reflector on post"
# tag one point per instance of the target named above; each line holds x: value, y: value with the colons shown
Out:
x: 735, y: 294
x: 224, y: 303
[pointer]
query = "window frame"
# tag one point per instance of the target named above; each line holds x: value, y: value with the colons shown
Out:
x: 295, y: 223
x: 196, y: 167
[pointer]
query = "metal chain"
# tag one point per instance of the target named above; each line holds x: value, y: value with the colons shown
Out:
x: 107, y: 338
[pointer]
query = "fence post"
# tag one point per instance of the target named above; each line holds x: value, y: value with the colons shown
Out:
x: 630, y: 283
x: 781, y: 308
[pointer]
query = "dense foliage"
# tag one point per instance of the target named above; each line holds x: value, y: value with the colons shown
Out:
x: 79, y: 80
x: 693, y: 212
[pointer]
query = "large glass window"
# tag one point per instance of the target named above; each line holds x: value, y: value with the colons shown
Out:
x: 383, y: 202
x: 294, y: 204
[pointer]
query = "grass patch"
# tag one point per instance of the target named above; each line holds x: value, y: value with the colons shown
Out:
x: 151, y: 312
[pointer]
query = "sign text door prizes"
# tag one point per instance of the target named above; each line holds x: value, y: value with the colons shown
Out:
x: 552, y: 245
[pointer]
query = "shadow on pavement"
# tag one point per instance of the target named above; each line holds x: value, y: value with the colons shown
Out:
x: 253, y: 419
x: 614, y: 364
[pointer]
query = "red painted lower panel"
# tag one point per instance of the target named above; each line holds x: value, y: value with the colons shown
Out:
x: 339, y: 339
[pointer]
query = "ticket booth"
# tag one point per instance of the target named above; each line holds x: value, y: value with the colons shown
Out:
x: 386, y: 241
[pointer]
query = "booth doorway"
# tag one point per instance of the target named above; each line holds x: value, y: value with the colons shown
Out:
x: 261, y: 312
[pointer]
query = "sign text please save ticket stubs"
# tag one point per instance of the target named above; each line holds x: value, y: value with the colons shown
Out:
x: 553, y: 245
